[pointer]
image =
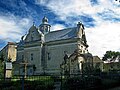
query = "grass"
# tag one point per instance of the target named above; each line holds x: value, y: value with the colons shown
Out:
x: 47, y: 82
x: 29, y: 83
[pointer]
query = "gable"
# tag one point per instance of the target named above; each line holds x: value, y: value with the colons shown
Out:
x: 33, y: 35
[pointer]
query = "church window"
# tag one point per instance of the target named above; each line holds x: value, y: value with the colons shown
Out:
x: 32, y: 35
x: 32, y: 31
x: 78, y: 67
x: 31, y: 38
x: 65, y: 57
x: 31, y: 70
x: 46, y: 28
x: 23, y: 70
x: 31, y: 56
x: 49, y: 56
x: 22, y: 57
x: 83, y: 51
x: 65, y: 52
x: 111, y: 67
x: 81, y: 46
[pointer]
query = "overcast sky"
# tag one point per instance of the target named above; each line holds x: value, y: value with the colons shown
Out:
x: 100, y: 17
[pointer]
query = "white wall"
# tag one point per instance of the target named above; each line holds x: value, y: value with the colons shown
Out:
x: 56, y: 54
x: 36, y: 51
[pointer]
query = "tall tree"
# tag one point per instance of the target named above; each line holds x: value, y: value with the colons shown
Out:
x: 1, y: 57
x: 1, y: 66
x: 110, y: 55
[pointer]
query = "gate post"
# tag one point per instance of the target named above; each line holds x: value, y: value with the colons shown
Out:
x: 23, y: 82
x: 61, y: 82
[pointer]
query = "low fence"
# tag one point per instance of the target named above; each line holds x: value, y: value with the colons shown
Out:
x: 43, y: 82
x: 61, y: 82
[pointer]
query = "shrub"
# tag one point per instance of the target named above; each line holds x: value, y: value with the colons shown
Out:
x: 76, y: 83
x: 10, y: 88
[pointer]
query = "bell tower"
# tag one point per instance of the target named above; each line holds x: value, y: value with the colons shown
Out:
x: 44, y: 26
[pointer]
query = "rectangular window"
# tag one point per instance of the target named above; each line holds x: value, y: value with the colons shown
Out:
x: 31, y: 70
x: 22, y: 57
x: 31, y: 38
x: 49, y: 56
x: 23, y: 70
x: 31, y: 56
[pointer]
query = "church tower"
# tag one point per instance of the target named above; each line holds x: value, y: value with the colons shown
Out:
x: 44, y: 27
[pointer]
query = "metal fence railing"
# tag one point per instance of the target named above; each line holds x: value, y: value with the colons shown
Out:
x: 61, y: 82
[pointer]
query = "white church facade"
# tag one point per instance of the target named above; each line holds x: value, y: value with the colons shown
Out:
x: 42, y: 51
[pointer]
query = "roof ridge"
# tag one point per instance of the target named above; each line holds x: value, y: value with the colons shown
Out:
x: 62, y: 29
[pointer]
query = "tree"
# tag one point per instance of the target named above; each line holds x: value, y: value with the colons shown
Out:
x: 2, y: 57
x: 1, y: 66
x: 110, y: 55
x: 1, y: 69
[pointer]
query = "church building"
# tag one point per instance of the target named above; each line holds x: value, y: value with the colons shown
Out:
x: 42, y: 50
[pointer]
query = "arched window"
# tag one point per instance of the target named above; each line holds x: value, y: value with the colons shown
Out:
x: 49, y: 56
x: 31, y: 38
x: 31, y: 56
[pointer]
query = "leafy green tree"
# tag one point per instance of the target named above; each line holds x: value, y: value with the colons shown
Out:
x: 1, y: 69
x: 1, y: 65
x: 1, y: 57
x: 110, y: 55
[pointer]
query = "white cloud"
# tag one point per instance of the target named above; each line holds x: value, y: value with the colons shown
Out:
x: 103, y: 38
x: 57, y: 27
x: 106, y: 34
x: 65, y: 8
x: 11, y: 28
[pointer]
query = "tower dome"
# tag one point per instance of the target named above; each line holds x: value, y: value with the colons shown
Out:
x: 44, y: 27
x: 45, y: 20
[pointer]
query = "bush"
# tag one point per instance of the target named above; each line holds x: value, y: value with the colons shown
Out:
x: 10, y: 88
x: 28, y: 85
x: 110, y: 83
x: 77, y: 83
